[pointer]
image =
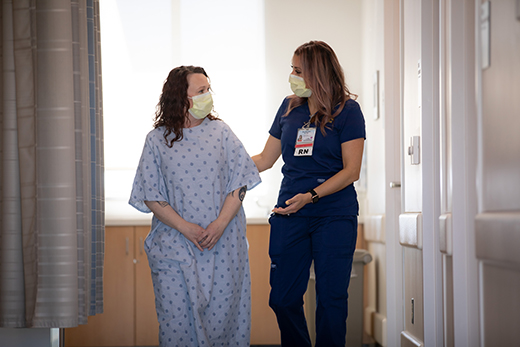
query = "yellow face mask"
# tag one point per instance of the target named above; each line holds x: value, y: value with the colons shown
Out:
x: 298, y: 86
x: 202, y: 105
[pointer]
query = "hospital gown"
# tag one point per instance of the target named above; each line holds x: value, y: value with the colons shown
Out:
x: 202, y: 298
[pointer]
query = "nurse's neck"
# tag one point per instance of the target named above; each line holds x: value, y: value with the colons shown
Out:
x: 313, y: 105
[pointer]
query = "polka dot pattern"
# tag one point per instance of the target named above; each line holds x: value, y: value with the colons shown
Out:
x: 201, y: 298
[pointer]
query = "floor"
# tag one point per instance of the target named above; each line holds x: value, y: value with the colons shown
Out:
x: 364, y: 345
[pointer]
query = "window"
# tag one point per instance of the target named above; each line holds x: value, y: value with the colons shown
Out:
x: 141, y: 44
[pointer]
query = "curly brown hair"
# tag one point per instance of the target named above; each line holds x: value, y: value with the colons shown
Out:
x: 324, y: 76
x: 172, y: 109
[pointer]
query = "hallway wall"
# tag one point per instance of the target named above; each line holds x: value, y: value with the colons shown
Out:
x: 373, y: 210
x: 498, y: 180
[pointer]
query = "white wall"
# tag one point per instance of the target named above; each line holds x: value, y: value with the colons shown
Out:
x: 137, y: 60
x: 374, y: 204
x: 373, y: 60
x: 497, y: 224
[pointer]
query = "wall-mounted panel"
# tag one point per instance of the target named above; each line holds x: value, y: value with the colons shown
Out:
x: 410, y: 230
x: 374, y: 228
x: 498, y: 237
x: 445, y: 234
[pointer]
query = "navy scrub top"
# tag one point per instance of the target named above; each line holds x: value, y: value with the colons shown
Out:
x: 302, y: 173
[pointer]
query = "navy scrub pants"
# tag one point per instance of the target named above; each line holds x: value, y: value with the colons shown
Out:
x: 294, y: 242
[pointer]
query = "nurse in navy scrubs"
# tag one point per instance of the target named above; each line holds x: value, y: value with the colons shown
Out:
x: 319, y: 131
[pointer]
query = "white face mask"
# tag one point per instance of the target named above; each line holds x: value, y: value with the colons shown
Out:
x: 298, y: 86
x: 202, y: 105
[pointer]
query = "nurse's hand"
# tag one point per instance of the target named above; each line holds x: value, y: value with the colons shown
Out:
x: 294, y: 204
x: 195, y: 233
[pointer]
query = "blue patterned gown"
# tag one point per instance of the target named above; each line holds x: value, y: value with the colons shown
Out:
x: 202, y: 298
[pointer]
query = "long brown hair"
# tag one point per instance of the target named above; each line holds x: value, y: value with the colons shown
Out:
x: 172, y: 109
x: 323, y: 75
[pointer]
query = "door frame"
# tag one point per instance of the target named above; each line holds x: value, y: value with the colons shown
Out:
x: 430, y: 153
x: 464, y: 169
x: 392, y: 110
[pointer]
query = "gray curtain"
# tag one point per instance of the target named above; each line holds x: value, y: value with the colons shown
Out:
x: 51, y: 154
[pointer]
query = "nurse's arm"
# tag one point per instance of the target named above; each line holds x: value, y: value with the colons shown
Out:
x: 270, y: 154
x: 229, y: 210
x: 352, y: 155
x: 166, y: 214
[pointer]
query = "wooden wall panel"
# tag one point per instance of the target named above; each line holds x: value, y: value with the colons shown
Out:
x: 146, y: 324
x: 264, y: 330
x: 118, y: 296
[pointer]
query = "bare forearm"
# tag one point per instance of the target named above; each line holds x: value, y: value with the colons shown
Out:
x: 166, y: 214
x: 337, y: 182
x: 261, y: 165
x: 352, y: 152
x: 229, y: 210
x: 269, y: 155
x: 330, y: 186
x: 232, y: 205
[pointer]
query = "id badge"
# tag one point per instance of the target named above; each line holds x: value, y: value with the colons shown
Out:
x: 304, y: 142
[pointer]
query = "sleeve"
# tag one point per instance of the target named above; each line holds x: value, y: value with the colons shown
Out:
x: 354, y: 123
x: 276, y: 128
x: 148, y: 182
x: 242, y: 169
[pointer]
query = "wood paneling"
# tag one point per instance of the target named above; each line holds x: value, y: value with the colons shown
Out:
x: 129, y: 317
x: 115, y: 326
x: 146, y: 324
x: 264, y: 328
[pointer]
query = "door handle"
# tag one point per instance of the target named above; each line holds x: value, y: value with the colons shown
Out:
x: 395, y: 184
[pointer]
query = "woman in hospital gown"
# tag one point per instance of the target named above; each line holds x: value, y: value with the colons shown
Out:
x: 197, y: 248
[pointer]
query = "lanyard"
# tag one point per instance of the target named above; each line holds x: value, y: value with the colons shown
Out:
x: 305, y: 140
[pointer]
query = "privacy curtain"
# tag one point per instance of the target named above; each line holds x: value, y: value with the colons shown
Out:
x: 51, y: 154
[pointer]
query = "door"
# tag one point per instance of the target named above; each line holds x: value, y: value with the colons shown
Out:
x: 391, y: 101
x: 419, y: 220
x: 446, y: 167
x: 410, y: 220
x: 497, y: 223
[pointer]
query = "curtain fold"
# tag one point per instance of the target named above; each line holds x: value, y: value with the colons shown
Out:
x: 52, y: 189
